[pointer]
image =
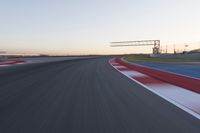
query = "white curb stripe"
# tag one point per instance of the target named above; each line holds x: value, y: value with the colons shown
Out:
x: 3, y: 65
x: 114, y: 64
x: 185, y: 97
x: 188, y: 105
x: 118, y: 67
x: 134, y: 74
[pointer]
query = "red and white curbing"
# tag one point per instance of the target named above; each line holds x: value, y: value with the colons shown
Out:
x: 12, y: 62
x: 185, y: 99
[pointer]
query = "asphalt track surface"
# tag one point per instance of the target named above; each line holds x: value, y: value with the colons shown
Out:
x: 83, y: 96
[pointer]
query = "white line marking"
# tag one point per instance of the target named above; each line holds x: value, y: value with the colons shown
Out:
x: 120, y: 67
x: 115, y: 64
x: 164, y: 97
x: 134, y: 74
x: 185, y: 97
x: 3, y: 65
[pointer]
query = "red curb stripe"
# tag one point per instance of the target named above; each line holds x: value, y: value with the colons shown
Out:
x: 148, y: 80
x: 12, y: 62
x: 183, y: 98
x: 182, y: 81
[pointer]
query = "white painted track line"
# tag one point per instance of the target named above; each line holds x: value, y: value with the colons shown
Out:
x: 133, y: 73
x: 185, y: 99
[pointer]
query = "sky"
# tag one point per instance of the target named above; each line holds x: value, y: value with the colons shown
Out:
x: 65, y: 27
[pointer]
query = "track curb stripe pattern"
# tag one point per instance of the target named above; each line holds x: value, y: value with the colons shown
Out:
x: 12, y: 62
x: 185, y: 99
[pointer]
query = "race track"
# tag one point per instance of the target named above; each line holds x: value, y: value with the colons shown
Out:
x: 83, y: 96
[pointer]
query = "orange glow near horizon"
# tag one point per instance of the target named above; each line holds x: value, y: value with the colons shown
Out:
x: 77, y: 28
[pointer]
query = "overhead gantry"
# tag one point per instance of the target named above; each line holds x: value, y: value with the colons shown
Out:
x: 154, y: 43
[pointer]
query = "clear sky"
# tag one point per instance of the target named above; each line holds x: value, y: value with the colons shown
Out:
x: 87, y: 26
